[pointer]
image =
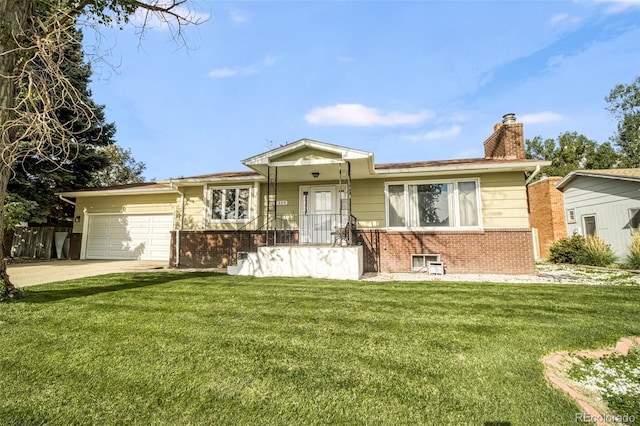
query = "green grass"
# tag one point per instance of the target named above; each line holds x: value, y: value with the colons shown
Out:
x: 195, y: 348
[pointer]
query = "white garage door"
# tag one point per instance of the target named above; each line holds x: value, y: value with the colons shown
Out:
x: 143, y: 237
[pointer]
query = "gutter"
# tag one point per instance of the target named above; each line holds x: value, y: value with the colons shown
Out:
x: 177, y: 256
x: 533, y: 175
x: 67, y: 200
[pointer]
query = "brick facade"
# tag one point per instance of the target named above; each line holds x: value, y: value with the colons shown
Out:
x: 218, y: 249
x: 75, y: 243
x: 490, y: 251
x: 546, y: 212
x: 499, y: 251
x: 506, y: 142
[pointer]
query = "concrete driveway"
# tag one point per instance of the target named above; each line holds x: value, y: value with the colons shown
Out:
x: 27, y: 274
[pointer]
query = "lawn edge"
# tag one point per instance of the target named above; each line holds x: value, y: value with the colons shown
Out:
x: 557, y: 364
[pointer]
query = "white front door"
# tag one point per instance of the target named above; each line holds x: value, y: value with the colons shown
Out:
x: 318, y: 212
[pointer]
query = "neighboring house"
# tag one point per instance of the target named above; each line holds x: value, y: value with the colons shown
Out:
x: 316, y: 209
x: 604, y: 203
x: 546, y: 213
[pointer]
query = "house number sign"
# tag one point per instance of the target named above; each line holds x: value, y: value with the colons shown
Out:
x: 282, y: 202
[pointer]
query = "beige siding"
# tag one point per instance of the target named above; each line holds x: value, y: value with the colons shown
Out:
x: 306, y: 154
x: 504, y: 200
x: 368, y: 203
x: 124, y: 204
x: 193, y: 208
x: 503, y: 196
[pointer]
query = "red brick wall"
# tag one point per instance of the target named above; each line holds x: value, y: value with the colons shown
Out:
x: 75, y: 243
x: 216, y: 249
x: 506, y: 142
x: 546, y: 212
x: 491, y: 251
x: 498, y: 251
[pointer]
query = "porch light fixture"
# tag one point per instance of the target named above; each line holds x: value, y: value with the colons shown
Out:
x: 77, y: 218
x: 315, y: 174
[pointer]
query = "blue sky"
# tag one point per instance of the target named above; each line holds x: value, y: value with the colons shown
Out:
x: 409, y: 81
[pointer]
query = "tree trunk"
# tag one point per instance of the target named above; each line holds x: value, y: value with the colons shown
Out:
x: 14, y: 19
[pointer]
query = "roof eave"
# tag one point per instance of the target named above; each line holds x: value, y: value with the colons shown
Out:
x: 572, y: 175
x: 200, y: 181
x: 466, y: 169
x: 108, y: 192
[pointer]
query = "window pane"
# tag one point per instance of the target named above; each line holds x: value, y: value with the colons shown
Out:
x: 216, y: 204
x: 468, y: 203
x: 230, y: 204
x: 429, y: 204
x: 589, y: 225
x: 396, y: 205
x: 243, y: 203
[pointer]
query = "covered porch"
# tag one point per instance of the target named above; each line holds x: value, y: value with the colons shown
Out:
x: 316, y: 237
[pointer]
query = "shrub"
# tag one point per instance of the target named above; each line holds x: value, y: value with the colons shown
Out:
x: 596, y: 252
x: 632, y: 261
x: 567, y: 250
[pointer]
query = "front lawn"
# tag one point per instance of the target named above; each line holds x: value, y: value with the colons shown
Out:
x: 196, y: 348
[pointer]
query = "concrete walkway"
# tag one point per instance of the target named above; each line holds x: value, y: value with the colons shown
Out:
x: 28, y: 274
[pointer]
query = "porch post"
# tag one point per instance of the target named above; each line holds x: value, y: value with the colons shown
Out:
x: 350, y: 237
x: 272, y: 203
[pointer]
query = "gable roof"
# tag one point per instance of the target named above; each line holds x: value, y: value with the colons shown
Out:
x: 342, y: 152
x: 619, y: 174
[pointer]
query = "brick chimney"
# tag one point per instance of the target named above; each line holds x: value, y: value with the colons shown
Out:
x: 507, y: 140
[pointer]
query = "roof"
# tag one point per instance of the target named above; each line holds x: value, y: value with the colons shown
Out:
x: 456, y: 162
x: 250, y: 175
x: 619, y: 174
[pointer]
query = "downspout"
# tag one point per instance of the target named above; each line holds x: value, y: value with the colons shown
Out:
x: 181, y: 225
x: 533, y: 175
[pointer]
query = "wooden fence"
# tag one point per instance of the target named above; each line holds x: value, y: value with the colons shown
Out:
x: 35, y: 242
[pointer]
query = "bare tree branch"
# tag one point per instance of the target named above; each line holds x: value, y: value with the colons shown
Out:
x: 34, y: 87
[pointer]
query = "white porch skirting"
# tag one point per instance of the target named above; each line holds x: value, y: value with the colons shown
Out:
x: 341, y: 263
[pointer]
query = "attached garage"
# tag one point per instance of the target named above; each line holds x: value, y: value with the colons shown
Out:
x: 128, y: 236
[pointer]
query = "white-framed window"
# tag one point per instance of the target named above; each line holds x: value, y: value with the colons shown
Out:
x: 420, y: 262
x: 432, y: 204
x: 590, y: 227
x: 571, y: 216
x: 229, y: 204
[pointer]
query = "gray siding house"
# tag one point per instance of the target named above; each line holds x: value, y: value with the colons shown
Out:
x: 603, y: 202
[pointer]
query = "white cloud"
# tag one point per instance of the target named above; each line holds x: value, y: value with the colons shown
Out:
x: 252, y: 69
x: 564, y: 19
x: 540, y: 117
x: 360, y: 115
x: 437, y: 134
x: 617, y: 6
x: 239, y: 16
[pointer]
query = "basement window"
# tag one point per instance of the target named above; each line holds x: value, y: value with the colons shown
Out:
x: 420, y: 262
